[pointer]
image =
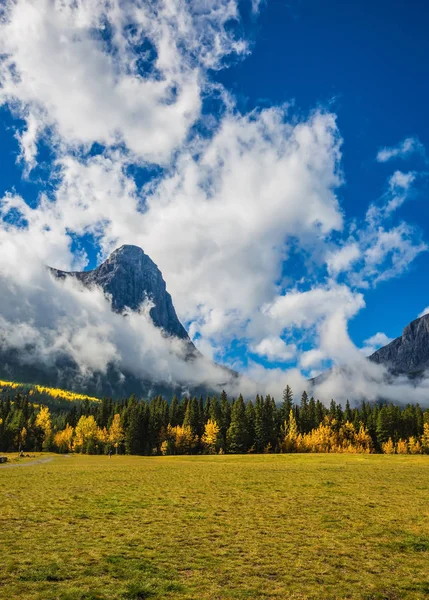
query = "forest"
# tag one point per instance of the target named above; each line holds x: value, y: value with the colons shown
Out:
x: 211, y: 426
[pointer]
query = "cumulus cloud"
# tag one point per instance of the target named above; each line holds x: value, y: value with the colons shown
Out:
x: 375, y: 342
x: 342, y: 259
x: 111, y: 72
x: 275, y: 349
x: 404, y: 149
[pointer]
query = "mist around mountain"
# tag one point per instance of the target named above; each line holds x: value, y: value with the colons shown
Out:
x: 396, y: 371
x: 112, y: 331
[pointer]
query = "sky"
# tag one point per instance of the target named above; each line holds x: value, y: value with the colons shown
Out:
x: 271, y: 158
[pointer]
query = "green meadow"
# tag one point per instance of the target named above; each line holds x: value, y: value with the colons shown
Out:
x: 215, y: 527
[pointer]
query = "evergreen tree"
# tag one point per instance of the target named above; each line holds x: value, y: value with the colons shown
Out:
x: 250, y: 424
x: 237, y: 435
x: 225, y: 417
x: 286, y: 404
x: 304, y: 414
x: 173, y: 414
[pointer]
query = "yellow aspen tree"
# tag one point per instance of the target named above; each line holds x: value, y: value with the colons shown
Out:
x: 116, y: 432
x: 210, y: 436
x: 184, y: 439
x: 63, y: 439
x: 290, y: 441
x: 402, y: 447
x: 425, y: 439
x: 43, y: 420
x: 363, y: 440
x: 414, y: 445
x: 388, y: 447
x: 23, y: 437
x: 86, y: 434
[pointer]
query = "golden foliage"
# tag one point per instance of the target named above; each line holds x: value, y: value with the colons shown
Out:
x: 54, y: 392
x: 414, y: 445
x: 86, y: 432
x: 425, y: 439
x: 328, y: 437
x: 63, y: 439
x: 180, y: 440
x: 43, y: 420
x: 116, y: 432
x: 210, y: 436
x: 402, y: 447
x: 388, y: 447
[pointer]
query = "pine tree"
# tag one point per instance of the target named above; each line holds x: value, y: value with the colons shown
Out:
x: 237, y: 433
x: 312, y: 421
x: 259, y: 425
x: 225, y: 417
x: 192, y: 417
x: 250, y: 424
x: 136, y: 432
x: 173, y: 415
x: 304, y: 415
x: 270, y: 421
x: 348, y: 413
x: 286, y: 404
x: 384, y: 425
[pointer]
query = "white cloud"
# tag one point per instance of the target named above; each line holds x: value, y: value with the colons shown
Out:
x: 312, y: 358
x: 341, y: 260
x: 275, y: 349
x: 424, y: 312
x: 111, y: 72
x: 375, y: 342
x: 378, y: 339
x: 404, y: 149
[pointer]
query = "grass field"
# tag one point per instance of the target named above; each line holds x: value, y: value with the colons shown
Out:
x: 221, y: 527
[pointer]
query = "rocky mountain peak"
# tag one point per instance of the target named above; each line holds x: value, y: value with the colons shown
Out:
x: 129, y: 277
x: 408, y: 353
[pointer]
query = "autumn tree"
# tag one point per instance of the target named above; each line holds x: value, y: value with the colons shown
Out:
x: 43, y: 421
x: 63, y: 439
x: 116, y: 432
x: 210, y: 436
x: 86, y: 435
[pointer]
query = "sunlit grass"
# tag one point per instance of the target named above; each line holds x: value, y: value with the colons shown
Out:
x: 216, y: 527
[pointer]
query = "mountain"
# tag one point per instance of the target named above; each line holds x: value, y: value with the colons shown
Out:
x: 409, y: 353
x: 130, y: 277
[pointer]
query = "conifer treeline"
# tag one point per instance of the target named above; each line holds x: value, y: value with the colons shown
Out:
x: 213, y: 425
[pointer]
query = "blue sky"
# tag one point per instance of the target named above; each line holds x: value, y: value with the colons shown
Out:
x: 119, y: 166
x: 367, y: 61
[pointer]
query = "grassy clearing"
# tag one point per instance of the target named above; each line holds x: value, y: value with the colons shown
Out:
x: 216, y: 527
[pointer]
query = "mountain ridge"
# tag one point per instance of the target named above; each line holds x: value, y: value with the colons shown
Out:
x: 409, y: 353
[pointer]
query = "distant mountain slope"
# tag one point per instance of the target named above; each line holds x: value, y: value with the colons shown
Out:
x: 53, y: 397
x: 409, y: 353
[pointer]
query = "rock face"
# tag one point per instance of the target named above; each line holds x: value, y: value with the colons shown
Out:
x: 408, y: 354
x: 130, y: 277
